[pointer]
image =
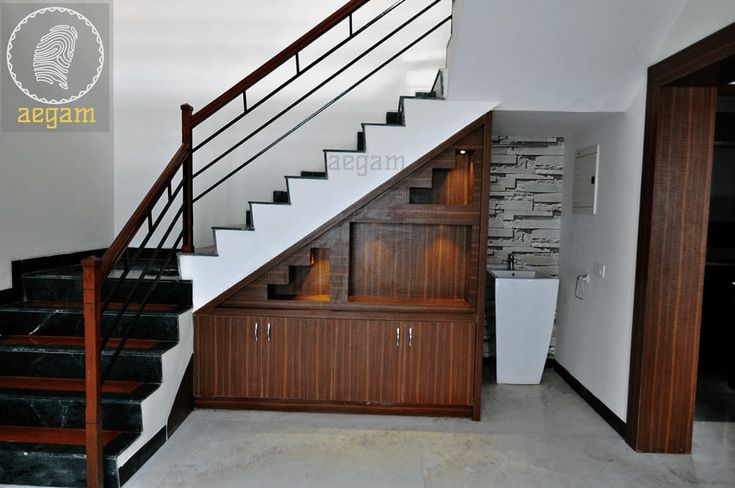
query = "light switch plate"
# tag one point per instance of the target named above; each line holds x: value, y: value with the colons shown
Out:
x: 599, y: 270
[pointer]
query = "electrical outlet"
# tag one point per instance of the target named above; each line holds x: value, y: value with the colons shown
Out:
x: 599, y: 270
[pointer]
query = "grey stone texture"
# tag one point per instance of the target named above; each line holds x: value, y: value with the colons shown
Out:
x: 525, y: 202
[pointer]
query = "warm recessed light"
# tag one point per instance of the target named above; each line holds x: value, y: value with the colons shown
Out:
x: 463, y: 151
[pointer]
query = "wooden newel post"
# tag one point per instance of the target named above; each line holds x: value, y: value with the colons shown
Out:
x: 92, y: 287
x: 188, y: 175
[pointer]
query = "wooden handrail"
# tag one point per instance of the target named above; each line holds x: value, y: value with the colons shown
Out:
x: 276, y: 61
x: 136, y: 221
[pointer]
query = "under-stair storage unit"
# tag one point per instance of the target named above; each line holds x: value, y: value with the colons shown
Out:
x: 379, y: 310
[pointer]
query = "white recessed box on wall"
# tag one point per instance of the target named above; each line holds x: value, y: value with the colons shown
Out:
x: 586, y: 165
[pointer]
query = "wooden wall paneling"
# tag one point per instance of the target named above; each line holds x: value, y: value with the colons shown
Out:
x: 410, y: 262
x: 670, y: 276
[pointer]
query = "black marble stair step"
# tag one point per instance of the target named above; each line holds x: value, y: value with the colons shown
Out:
x: 280, y: 196
x: 54, y: 457
x: 66, y: 284
x: 64, y: 319
x: 66, y: 409
x: 62, y: 358
x: 361, y: 141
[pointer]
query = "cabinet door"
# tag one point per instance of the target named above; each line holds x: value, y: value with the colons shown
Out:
x: 299, y: 359
x: 437, y: 363
x: 367, y: 355
x: 227, y: 359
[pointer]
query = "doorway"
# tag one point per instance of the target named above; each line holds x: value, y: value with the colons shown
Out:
x: 672, y: 241
x: 715, y: 401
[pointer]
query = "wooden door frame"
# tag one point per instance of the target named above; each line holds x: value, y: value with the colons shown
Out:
x: 661, y: 397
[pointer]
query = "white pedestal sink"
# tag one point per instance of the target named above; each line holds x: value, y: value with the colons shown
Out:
x: 525, y: 305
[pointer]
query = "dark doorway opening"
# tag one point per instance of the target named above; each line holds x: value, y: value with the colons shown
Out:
x: 716, y: 372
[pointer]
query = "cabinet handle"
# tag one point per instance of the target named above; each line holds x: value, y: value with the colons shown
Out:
x: 255, y: 329
x: 410, y: 336
x: 398, y: 337
x: 269, y: 331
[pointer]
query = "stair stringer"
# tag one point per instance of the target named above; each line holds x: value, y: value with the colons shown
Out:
x: 156, y: 408
x: 314, y: 202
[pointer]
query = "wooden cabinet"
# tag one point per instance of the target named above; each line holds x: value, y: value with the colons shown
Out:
x: 227, y: 358
x: 308, y: 359
x: 379, y: 311
x: 436, y: 363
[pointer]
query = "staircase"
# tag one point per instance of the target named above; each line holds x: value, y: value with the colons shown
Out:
x: 42, y: 385
x: 94, y: 355
x: 312, y: 199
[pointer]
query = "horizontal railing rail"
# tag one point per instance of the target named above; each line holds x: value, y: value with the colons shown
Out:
x: 162, y: 224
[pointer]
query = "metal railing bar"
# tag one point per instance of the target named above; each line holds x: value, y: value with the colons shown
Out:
x: 141, y: 278
x: 296, y: 76
x: 124, y: 338
x: 324, y: 107
x: 111, y: 295
x: 317, y: 88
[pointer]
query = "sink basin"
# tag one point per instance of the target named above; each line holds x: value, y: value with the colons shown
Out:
x: 523, y: 275
x: 525, y: 305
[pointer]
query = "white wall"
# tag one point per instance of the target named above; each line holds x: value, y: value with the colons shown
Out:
x: 55, y: 195
x: 593, y: 335
x: 174, y: 51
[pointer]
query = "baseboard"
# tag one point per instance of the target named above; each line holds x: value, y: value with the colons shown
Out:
x: 607, y: 415
x: 184, y: 402
x: 126, y: 471
x: 334, y: 407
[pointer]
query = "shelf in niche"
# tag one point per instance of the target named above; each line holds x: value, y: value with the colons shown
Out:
x: 428, y: 302
x: 306, y: 283
x: 455, y: 186
x: 299, y: 298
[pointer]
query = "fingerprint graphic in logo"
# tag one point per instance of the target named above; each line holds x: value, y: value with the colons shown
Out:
x: 54, y: 54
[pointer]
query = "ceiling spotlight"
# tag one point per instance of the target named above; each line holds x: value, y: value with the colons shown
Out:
x: 462, y: 151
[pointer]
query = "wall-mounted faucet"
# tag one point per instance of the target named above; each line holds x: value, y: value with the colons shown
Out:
x: 512, y: 261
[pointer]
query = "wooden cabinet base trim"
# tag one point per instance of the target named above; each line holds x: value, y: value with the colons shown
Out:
x: 465, y: 411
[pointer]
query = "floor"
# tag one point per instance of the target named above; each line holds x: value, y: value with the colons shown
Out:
x: 530, y: 436
x: 715, y: 397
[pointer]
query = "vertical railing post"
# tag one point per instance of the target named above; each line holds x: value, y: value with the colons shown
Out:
x: 188, y: 175
x: 92, y: 286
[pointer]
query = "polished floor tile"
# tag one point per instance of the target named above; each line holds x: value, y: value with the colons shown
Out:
x: 530, y: 436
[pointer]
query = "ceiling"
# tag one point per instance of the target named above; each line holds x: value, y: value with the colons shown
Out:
x: 561, y: 55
